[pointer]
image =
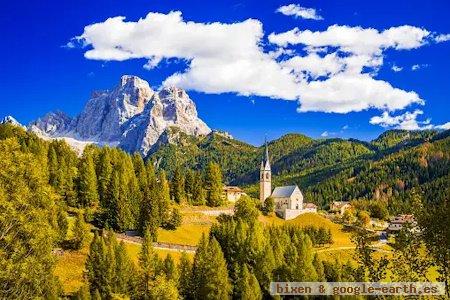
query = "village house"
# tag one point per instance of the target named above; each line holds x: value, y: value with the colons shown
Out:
x: 288, y: 199
x: 396, y: 224
x: 232, y: 193
x: 339, y: 207
x: 309, y: 207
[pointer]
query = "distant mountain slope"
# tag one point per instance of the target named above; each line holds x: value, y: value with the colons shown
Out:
x: 332, y: 169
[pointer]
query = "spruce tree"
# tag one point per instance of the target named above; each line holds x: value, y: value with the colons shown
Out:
x: 198, y: 190
x: 149, y: 263
x: 210, y: 275
x: 163, y: 199
x: 99, y: 273
x: 185, y: 276
x: 248, y: 286
x: 80, y: 231
x: 104, y: 171
x: 169, y: 268
x: 87, y: 182
x: 177, y: 191
x: 126, y: 273
x: 214, y: 186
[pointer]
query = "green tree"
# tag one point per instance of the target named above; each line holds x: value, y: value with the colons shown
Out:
x: 175, y: 219
x: 246, y: 209
x: 185, y: 276
x: 87, y: 181
x: 248, y: 285
x: 169, y: 268
x: 177, y: 191
x: 80, y: 231
x: 149, y: 263
x: 214, y: 185
x: 198, y: 190
x: 26, y: 232
x: 99, y: 270
x: 269, y: 206
x: 126, y: 274
x: 104, y: 172
x: 433, y: 217
x: 209, y: 274
x: 163, y: 289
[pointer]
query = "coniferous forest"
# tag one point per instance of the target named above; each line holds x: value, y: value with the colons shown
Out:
x: 108, y: 191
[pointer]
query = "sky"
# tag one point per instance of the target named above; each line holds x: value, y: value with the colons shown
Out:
x: 256, y: 69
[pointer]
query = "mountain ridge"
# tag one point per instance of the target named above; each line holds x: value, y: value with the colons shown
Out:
x: 131, y: 116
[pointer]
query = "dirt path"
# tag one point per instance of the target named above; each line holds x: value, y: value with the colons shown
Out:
x: 157, y: 245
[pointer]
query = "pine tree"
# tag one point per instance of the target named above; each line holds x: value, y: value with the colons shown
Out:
x: 99, y: 270
x: 80, y: 231
x: 189, y: 181
x: 170, y: 269
x: 198, y: 190
x: 210, y: 275
x: 149, y: 263
x: 126, y: 273
x: 87, y: 182
x: 163, y: 199
x: 185, y: 275
x: 248, y: 286
x: 164, y: 289
x: 214, y: 185
x: 104, y: 171
x: 177, y: 191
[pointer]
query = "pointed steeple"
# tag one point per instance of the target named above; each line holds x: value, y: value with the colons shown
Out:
x: 265, y: 163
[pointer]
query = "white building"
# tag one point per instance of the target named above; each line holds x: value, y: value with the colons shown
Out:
x: 232, y: 193
x: 288, y: 199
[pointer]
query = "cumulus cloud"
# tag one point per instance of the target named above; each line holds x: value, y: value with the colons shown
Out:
x: 334, y: 73
x: 222, y: 57
x: 396, y: 68
x: 324, y: 134
x: 407, y: 121
x: 344, y: 93
x: 442, y: 38
x: 299, y: 12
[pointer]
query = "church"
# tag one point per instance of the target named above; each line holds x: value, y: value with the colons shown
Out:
x: 288, y: 199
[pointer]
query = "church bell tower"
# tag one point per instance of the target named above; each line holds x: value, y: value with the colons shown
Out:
x: 265, y: 176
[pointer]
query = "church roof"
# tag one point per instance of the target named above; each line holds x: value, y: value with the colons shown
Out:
x: 284, y: 191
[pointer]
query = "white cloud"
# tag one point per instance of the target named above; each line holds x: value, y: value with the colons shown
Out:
x: 344, y: 93
x: 417, y: 67
x: 407, y: 121
x: 221, y: 57
x: 152, y: 62
x: 442, y: 38
x: 324, y: 134
x: 396, y: 68
x: 335, y: 75
x: 355, y: 40
x: 299, y: 12
x: 445, y: 126
x: 345, y: 127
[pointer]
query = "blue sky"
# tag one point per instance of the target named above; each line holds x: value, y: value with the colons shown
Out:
x: 38, y: 74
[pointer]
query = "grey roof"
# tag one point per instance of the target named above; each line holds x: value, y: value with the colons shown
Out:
x: 283, y: 191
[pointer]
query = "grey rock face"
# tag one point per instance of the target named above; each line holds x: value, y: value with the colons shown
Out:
x: 132, y: 116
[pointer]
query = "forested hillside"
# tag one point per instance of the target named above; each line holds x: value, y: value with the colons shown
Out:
x: 386, y: 169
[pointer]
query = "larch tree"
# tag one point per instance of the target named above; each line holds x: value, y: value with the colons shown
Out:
x: 87, y: 181
x: 214, y: 185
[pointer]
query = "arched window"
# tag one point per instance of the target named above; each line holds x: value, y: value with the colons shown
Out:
x: 267, y: 175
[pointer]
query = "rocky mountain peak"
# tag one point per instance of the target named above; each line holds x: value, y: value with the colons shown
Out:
x: 10, y: 120
x: 131, y: 116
